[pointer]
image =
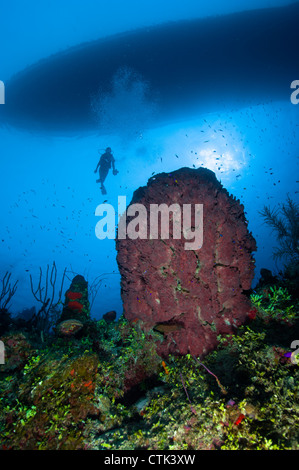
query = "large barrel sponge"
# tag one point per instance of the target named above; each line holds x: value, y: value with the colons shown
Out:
x: 188, y: 295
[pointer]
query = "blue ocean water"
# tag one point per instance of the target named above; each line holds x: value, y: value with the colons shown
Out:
x: 48, y: 187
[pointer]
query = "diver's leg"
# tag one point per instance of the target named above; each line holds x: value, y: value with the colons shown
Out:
x: 103, y: 189
x: 103, y: 175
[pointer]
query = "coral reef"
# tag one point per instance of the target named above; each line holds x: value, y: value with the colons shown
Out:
x: 53, y: 391
x: 17, y: 351
x: 189, y: 295
x: 110, y: 390
x: 54, y: 398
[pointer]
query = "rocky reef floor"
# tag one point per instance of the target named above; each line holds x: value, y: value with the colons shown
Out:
x: 109, y: 389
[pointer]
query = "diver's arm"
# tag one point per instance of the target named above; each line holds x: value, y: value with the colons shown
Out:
x: 115, y: 171
x: 97, y: 167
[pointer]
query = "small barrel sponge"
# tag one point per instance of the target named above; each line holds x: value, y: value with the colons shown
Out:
x: 76, y: 305
x: 188, y: 295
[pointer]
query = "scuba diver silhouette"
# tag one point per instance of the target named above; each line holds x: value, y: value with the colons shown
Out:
x: 105, y: 164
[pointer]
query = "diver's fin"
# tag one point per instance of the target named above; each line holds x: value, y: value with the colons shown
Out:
x: 103, y: 189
